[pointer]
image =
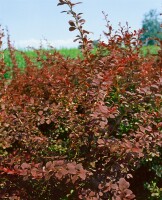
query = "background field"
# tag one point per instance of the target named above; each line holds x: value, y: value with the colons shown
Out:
x: 66, y: 52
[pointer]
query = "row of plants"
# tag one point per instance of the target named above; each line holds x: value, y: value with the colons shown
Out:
x: 85, y: 128
x: 66, y: 52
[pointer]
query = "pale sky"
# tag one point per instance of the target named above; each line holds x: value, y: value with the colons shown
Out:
x: 30, y: 21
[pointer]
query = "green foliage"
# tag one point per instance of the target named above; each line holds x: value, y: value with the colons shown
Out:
x: 156, y: 192
x: 152, y: 49
x: 72, y: 52
x: 152, y: 29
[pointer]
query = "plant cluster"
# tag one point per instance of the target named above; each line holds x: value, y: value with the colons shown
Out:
x: 85, y: 128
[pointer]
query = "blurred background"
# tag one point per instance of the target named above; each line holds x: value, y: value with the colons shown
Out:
x: 31, y: 22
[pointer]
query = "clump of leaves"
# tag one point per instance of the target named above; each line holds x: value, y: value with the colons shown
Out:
x: 80, y: 128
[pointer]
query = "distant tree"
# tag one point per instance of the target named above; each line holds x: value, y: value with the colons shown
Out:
x: 151, y: 27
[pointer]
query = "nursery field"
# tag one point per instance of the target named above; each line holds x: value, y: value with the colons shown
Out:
x: 66, y: 52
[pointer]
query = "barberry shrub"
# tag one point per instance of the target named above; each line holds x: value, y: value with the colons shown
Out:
x: 85, y: 128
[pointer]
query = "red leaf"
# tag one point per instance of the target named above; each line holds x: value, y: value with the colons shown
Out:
x: 72, y: 171
x: 136, y: 150
x: 72, y: 28
x: 111, y: 116
x: 71, y: 168
x: 100, y: 141
x: 128, y: 193
x: 114, y: 186
x: 63, y: 11
x: 64, y: 171
x: 60, y: 4
x: 120, y: 69
x: 154, y: 86
x: 103, y: 109
x: 49, y: 165
x: 34, y: 172
x: 142, y: 129
x: 23, y: 173
x: 110, y: 28
x: 32, y: 101
x: 77, y: 3
x: 100, y: 194
x: 160, y: 124
x: 40, y: 112
x: 74, y: 178
x: 59, y: 162
x: 91, y: 194
x: 11, y: 172
x: 123, y: 184
x: 25, y: 166
x: 59, y: 175
x: 84, y: 31
x: 42, y: 120
x: 76, y: 40
x: 48, y: 121
x: 82, y: 175
x: 79, y: 166
x: 72, y: 23
x: 82, y: 21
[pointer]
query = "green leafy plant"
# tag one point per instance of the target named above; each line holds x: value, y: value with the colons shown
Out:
x: 156, y: 192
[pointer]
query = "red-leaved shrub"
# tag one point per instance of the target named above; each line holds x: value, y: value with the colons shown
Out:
x: 81, y: 128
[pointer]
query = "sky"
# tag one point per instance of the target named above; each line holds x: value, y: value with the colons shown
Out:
x: 32, y: 22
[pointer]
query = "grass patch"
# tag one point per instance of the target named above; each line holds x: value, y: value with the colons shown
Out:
x: 72, y: 52
x: 66, y: 52
x: 147, y: 50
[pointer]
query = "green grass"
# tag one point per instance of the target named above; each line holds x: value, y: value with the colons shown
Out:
x: 153, y: 50
x: 72, y: 53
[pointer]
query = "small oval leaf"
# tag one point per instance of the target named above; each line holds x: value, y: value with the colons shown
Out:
x: 72, y: 23
x: 72, y: 28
